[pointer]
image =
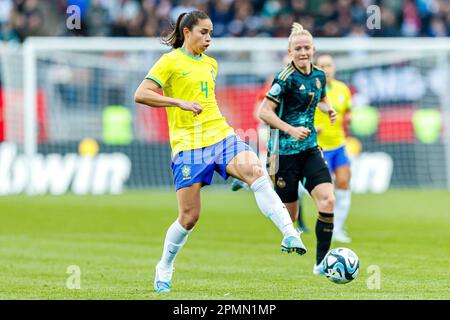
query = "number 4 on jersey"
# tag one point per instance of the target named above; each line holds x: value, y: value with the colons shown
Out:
x: 204, y: 88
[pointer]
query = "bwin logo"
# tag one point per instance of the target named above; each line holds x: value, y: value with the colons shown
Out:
x: 57, y: 173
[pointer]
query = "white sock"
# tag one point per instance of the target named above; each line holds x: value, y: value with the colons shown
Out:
x: 271, y: 205
x: 341, y: 208
x: 176, y: 237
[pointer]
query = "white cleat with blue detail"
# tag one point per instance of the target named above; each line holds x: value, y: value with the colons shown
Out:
x: 293, y: 244
x: 318, y: 269
x: 163, y: 276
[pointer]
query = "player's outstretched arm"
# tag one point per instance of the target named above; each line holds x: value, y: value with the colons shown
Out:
x: 146, y: 94
x: 347, y: 118
x: 268, y: 115
x: 326, y: 107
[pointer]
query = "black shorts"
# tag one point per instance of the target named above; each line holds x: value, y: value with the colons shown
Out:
x: 307, y: 167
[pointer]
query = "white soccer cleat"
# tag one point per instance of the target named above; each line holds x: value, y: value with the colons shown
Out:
x: 341, y: 236
x: 293, y: 244
x: 318, y: 269
x: 163, y: 276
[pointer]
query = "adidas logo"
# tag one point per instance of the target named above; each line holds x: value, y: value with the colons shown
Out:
x: 302, y: 87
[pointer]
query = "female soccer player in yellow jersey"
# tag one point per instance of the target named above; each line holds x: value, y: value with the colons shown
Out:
x: 332, y: 139
x: 202, y: 142
x: 289, y: 107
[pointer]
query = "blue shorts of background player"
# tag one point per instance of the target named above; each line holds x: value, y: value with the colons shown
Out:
x: 336, y: 158
x: 198, y: 165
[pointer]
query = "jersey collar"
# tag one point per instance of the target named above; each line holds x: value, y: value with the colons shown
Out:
x: 301, y: 72
x: 190, y: 55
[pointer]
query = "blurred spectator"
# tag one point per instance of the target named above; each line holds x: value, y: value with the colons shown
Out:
x: 411, y: 20
x: 273, y: 8
x: 242, y: 25
x: 7, y: 31
x: 27, y: 18
x: 283, y: 23
x: 123, y: 12
x: 233, y: 18
x: 183, y: 6
x: 359, y: 12
x: 389, y: 24
x: 438, y: 28
x: 222, y: 14
x: 6, y: 7
x: 98, y: 19
x: 344, y: 17
x: 358, y: 31
x: 327, y: 13
x: 299, y: 8
x: 307, y: 22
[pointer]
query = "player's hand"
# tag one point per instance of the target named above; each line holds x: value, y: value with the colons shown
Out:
x: 193, y: 106
x: 319, y: 129
x: 299, y: 133
x: 332, y: 114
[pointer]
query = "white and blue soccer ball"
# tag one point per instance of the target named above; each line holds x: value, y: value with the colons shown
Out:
x: 341, y: 265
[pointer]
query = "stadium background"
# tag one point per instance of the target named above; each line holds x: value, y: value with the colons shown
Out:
x: 85, y: 119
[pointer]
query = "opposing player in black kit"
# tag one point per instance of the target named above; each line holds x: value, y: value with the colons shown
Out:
x: 289, y: 107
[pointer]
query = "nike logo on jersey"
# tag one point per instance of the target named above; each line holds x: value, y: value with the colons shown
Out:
x: 185, y: 73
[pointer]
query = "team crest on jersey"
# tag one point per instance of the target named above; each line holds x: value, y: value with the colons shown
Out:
x: 275, y: 90
x: 281, y: 183
x: 186, y: 172
x: 318, y: 84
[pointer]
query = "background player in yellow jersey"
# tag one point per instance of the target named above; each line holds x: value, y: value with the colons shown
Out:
x: 202, y: 141
x: 332, y: 139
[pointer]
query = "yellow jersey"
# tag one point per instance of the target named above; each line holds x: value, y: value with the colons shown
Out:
x: 333, y: 136
x: 190, y: 78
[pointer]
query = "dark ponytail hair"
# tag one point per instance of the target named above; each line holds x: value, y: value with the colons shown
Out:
x: 175, y: 38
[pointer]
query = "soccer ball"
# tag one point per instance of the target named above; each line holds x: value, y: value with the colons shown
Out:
x: 341, y: 265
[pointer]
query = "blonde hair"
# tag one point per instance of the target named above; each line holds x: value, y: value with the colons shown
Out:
x: 297, y: 30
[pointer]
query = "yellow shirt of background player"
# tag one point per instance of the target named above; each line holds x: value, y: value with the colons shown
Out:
x: 190, y: 78
x: 333, y: 136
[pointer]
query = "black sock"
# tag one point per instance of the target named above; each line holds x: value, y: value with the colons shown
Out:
x: 324, y: 231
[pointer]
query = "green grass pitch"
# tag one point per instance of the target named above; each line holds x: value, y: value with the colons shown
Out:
x: 233, y: 252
